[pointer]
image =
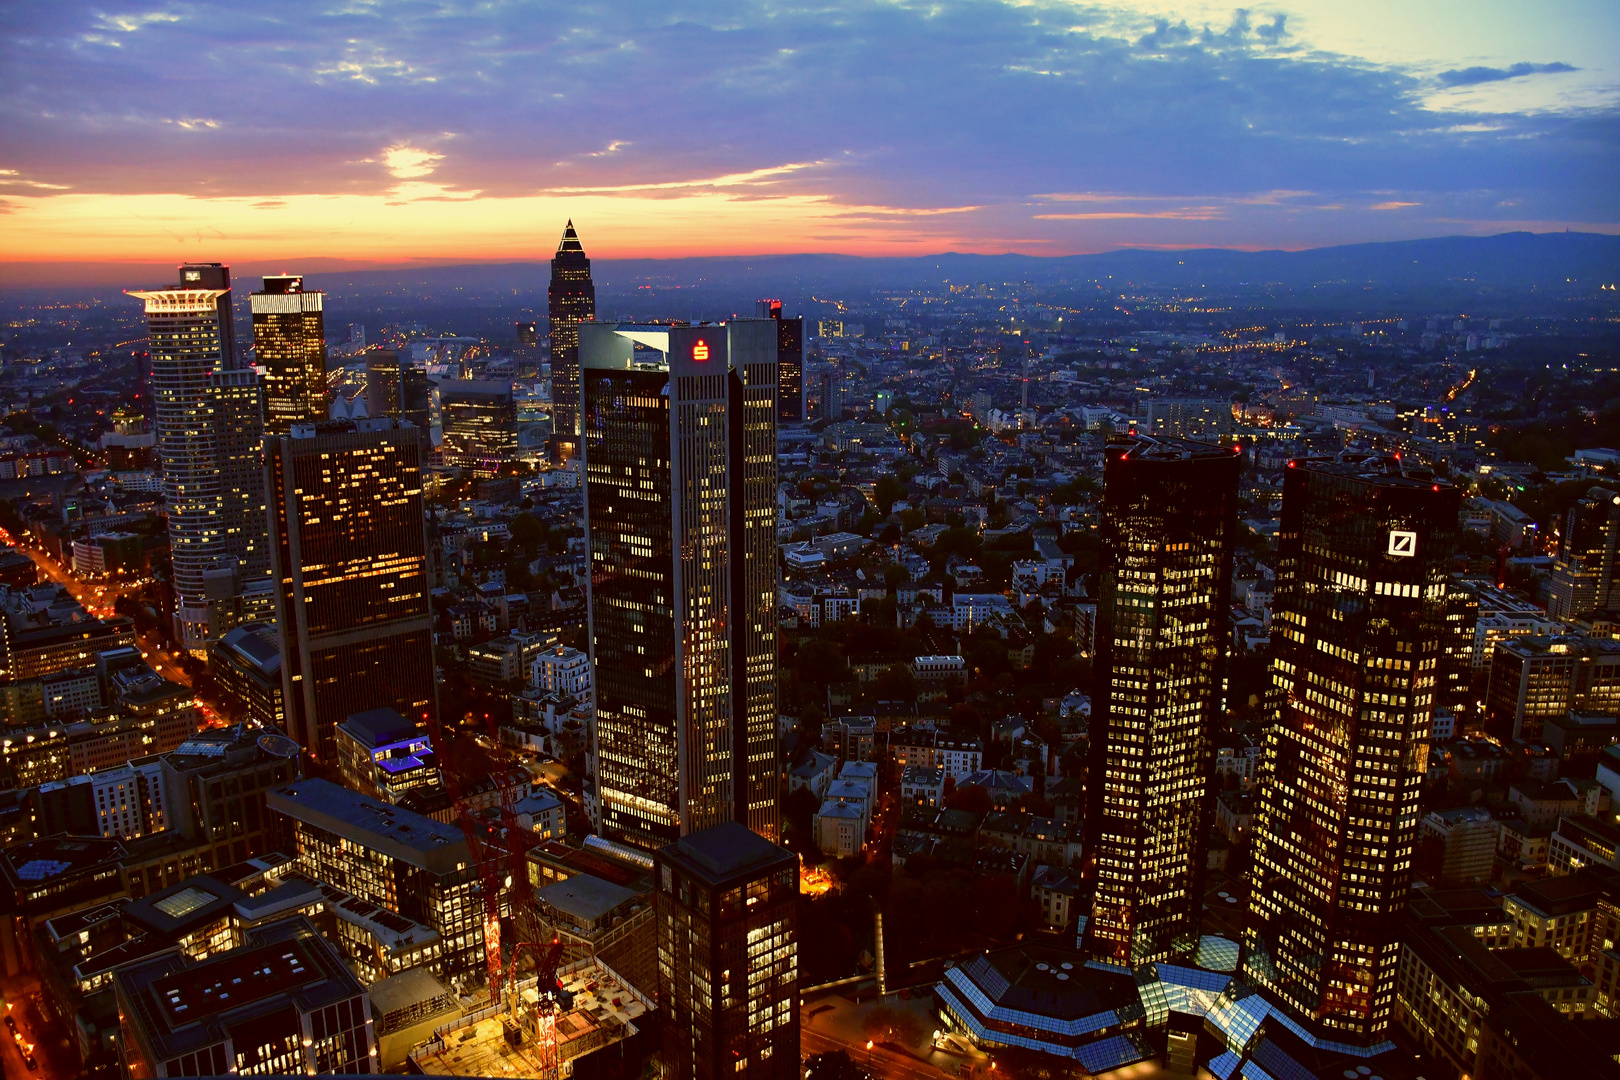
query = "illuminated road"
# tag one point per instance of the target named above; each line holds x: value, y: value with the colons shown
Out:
x: 54, y: 1060
x: 98, y: 600
x: 878, y: 1061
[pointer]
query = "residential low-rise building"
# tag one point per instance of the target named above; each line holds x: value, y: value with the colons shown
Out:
x: 815, y: 772
x: 840, y: 829
x: 1234, y: 814
x: 1045, y: 841
x: 562, y: 670
x: 921, y: 785
x: 1055, y: 890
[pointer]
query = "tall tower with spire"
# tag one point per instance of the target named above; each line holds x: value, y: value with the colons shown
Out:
x: 572, y: 301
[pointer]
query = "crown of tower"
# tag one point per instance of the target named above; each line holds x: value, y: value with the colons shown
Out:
x: 570, y: 240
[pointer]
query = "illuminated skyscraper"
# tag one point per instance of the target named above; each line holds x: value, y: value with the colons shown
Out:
x: 208, y: 419
x: 679, y: 450
x: 351, y: 574
x: 395, y: 387
x: 728, y: 956
x: 479, y: 420
x: 1169, y: 525
x: 1583, y: 570
x: 289, y: 341
x: 1359, y: 630
x: 789, y: 360
x: 572, y: 300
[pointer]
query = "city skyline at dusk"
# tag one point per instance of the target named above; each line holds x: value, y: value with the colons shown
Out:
x: 758, y: 540
x: 390, y: 136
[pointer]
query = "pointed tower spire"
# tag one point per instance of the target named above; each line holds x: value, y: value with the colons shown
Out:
x: 570, y: 240
x: 572, y: 299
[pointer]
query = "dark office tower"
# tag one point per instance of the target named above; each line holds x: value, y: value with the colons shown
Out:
x: 479, y: 423
x: 679, y: 451
x: 728, y: 956
x: 397, y: 388
x: 526, y: 354
x: 572, y: 300
x: 207, y: 419
x: 289, y: 342
x: 1169, y: 525
x: 1583, y: 571
x: 1359, y: 632
x: 832, y: 389
x: 789, y: 360
x: 351, y: 575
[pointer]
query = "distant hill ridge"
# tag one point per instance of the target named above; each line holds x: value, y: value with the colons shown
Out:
x: 1508, y: 260
x: 1454, y: 267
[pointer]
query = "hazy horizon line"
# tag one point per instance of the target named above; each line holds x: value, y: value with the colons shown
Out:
x: 24, y: 274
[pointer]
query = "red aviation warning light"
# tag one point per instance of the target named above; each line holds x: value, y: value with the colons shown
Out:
x: 700, y: 351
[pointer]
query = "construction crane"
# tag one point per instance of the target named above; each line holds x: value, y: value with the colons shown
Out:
x: 551, y: 1002
x: 516, y: 839
x: 485, y: 858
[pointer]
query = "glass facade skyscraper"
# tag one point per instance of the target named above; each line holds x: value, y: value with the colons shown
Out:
x: 289, y: 342
x: 1169, y: 525
x: 728, y: 956
x: 679, y: 450
x: 571, y: 299
x: 1359, y: 630
x: 351, y: 575
x: 398, y: 388
x: 789, y: 360
x: 1583, y: 570
x: 478, y: 419
x: 208, y: 419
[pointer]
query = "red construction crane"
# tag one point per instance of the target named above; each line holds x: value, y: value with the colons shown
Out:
x: 546, y: 1009
x: 516, y: 839
x: 485, y: 857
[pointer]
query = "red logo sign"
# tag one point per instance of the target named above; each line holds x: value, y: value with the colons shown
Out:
x: 700, y: 351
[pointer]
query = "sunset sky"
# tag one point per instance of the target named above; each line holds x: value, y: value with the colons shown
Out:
x: 364, y: 132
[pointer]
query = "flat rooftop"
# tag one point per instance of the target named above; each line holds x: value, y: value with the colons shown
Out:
x: 237, y: 978
x: 177, y: 1005
x: 374, y: 825
x: 29, y: 865
x: 723, y: 852
x: 256, y: 645
x: 374, y: 727
x: 183, y: 907
x: 584, y: 897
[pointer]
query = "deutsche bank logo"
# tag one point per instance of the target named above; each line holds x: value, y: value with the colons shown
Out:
x: 1403, y: 544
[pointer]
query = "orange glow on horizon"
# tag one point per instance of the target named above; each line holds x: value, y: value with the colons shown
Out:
x: 106, y: 239
x: 445, y: 227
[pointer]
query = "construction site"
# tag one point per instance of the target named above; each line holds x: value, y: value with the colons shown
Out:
x: 596, y: 1026
x: 558, y: 1004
